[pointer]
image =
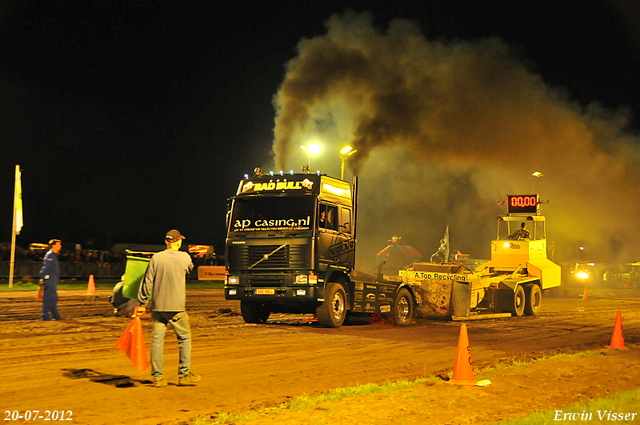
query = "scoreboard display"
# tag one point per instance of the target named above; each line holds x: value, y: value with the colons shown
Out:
x: 522, y: 204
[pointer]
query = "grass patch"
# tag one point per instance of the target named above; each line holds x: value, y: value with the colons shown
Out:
x: 340, y: 393
x: 515, y: 362
x: 305, y: 401
x: 204, y: 284
x: 595, y: 411
x: 32, y: 285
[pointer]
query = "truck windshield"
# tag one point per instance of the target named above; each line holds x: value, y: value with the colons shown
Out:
x: 272, y: 214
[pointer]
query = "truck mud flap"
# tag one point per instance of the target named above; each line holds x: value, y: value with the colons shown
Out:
x: 460, y: 299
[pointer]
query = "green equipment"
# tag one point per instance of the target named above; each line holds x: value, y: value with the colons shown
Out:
x: 137, y: 263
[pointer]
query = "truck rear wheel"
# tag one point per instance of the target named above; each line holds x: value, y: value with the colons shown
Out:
x: 533, y: 299
x: 512, y: 301
x: 403, y: 308
x: 333, y: 310
x: 253, y: 312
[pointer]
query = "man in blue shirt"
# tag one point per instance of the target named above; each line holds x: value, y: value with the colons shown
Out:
x: 166, y: 280
x: 49, y: 278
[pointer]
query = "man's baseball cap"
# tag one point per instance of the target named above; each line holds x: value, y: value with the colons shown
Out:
x: 173, y: 236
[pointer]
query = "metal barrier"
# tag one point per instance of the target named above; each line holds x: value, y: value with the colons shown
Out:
x: 24, y: 269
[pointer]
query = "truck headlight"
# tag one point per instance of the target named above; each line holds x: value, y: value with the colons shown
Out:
x: 302, y: 279
x: 233, y: 280
x: 582, y: 275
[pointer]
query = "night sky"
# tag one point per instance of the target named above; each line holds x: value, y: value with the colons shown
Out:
x: 129, y: 118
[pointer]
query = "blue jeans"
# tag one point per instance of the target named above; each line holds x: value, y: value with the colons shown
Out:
x: 180, y: 323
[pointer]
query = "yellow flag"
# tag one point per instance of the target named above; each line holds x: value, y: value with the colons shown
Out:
x: 18, y: 200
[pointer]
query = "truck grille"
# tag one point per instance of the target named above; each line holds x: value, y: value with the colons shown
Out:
x: 266, y: 280
x: 241, y: 257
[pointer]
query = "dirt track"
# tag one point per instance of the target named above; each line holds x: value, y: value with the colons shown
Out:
x: 72, y: 365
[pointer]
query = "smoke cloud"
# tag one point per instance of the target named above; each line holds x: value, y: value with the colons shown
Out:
x: 444, y: 129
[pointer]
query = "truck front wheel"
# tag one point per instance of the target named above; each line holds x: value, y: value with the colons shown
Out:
x: 512, y: 301
x: 254, y: 312
x: 403, y: 308
x: 333, y: 310
x: 533, y: 299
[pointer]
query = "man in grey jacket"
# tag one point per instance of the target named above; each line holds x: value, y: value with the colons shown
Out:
x: 165, y: 283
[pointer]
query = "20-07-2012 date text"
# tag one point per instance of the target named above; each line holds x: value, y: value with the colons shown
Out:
x: 38, y: 415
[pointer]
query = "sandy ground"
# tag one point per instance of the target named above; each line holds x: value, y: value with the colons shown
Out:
x: 73, y: 366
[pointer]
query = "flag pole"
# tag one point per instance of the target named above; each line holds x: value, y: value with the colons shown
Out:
x: 446, y: 239
x: 13, y: 226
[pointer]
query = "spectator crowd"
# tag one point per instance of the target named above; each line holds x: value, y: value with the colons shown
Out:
x: 78, y: 264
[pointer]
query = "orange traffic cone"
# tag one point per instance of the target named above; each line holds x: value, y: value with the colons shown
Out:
x: 617, y: 340
x: 39, y: 296
x: 463, y: 368
x: 91, y: 287
x: 585, y: 295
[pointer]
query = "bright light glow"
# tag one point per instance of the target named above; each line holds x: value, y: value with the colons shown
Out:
x: 338, y: 191
x: 314, y: 149
x: 582, y: 275
x: 537, y: 174
x: 347, y: 150
x: 344, y: 153
x: 507, y: 245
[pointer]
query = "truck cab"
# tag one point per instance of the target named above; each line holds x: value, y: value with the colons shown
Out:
x: 287, y: 236
x: 514, y: 253
x: 509, y: 250
x: 519, y: 269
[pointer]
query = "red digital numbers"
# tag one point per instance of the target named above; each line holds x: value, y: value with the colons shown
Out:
x: 524, y: 201
x: 523, y: 204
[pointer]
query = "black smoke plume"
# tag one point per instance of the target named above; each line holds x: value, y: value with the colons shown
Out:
x: 443, y: 129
